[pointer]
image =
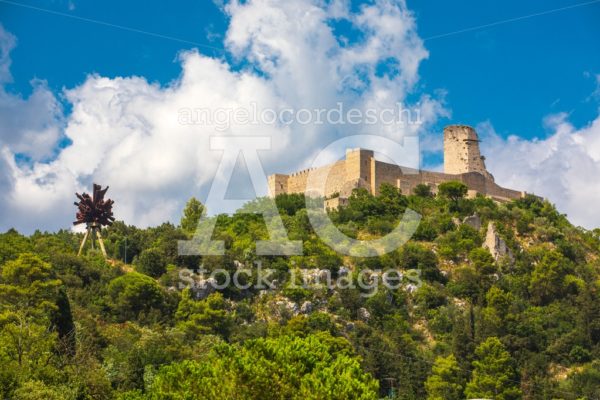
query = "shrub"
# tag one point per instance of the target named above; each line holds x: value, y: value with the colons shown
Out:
x: 150, y: 262
x: 134, y: 294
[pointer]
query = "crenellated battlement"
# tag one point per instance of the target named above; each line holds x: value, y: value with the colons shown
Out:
x: 302, y: 172
x: 462, y: 162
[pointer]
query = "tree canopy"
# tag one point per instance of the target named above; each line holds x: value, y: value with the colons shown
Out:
x: 150, y: 324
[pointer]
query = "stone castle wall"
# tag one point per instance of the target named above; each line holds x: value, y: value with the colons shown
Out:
x: 462, y: 162
x: 335, y: 176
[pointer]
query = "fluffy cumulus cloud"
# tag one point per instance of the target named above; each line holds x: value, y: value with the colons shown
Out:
x: 30, y: 127
x: 562, y: 167
x: 150, y: 143
x: 30, y: 130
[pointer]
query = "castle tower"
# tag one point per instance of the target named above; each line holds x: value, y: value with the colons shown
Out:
x: 278, y: 184
x: 461, y: 151
x: 359, y: 167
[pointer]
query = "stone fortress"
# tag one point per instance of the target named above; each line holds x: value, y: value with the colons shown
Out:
x: 463, y: 162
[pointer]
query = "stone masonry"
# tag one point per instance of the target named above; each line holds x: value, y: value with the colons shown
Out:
x: 461, y: 151
x: 463, y: 162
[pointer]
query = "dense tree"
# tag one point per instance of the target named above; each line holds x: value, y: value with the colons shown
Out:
x: 191, y: 215
x: 585, y: 382
x: 151, y: 262
x: 463, y: 340
x: 133, y: 353
x: 457, y: 244
x: 391, y: 354
x: 418, y: 257
x: 452, y: 190
x: 27, y: 351
x: 135, y: 295
x: 89, y: 328
x: 446, y: 380
x: 315, y: 367
x: 422, y: 190
x: 493, y: 375
x: 29, y: 285
x: 211, y: 315
x: 426, y: 231
x: 290, y: 204
x: 548, y: 278
x: 392, y: 199
x: 482, y: 260
x: 12, y: 244
x: 34, y: 390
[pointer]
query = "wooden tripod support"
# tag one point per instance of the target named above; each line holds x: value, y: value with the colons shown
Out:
x: 93, y: 229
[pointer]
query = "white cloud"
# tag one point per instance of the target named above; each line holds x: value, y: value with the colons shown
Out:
x: 124, y: 131
x: 7, y: 43
x: 30, y: 127
x: 562, y: 167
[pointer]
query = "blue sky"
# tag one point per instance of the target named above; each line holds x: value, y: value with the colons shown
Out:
x: 91, y: 91
x: 513, y: 74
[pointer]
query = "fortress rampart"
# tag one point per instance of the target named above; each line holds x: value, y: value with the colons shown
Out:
x: 463, y: 162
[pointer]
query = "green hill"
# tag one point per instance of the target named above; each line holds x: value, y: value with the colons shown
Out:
x: 489, y: 300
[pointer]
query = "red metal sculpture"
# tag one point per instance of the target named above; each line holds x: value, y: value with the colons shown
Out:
x: 95, y: 212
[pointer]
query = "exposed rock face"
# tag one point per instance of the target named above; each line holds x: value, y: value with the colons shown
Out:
x: 306, y: 307
x: 473, y: 221
x: 204, y: 288
x: 364, y: 314
x: 288, y: 305
x: 495, y: 244
x: 316, y: 276
x: 411, y: 288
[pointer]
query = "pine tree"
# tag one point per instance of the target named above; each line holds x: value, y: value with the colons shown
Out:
x: 445, y: 381
x: 493, y: 375
x: 462, y: 342
x: 191, y: 215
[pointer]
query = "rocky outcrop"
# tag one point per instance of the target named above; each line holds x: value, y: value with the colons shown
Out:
x: 363, y: 314
x: 306, y: 307
x: 287, y: 306
x: 316, y: 276
x: 474, y: 221
x: 205, y: 287
x: 495, y: 244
